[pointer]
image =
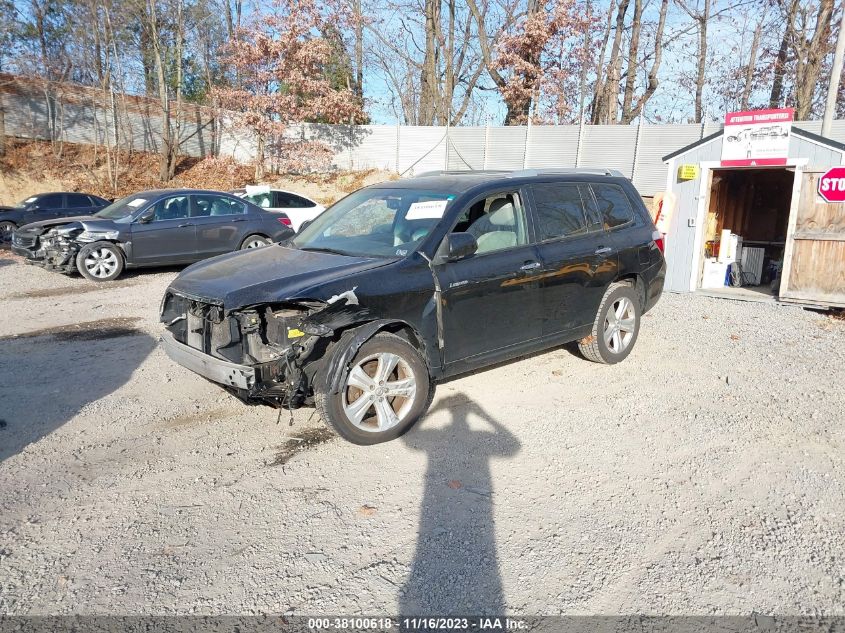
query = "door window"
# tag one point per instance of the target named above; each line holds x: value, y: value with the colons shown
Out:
x: 614, y: 206
x: 77, y: 201
x: 175, y: 208
x: 560, y: 211
x: 211, y: 206
x: 497, y: 222
x: 287, y: 200
x: 52, y: 201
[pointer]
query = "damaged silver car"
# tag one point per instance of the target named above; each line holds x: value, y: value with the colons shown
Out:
x: 405, y: 284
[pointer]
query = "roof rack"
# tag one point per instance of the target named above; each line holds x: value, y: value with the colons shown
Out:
x: 462, y: 172
x: 527, y: 173
x: 558, y: 171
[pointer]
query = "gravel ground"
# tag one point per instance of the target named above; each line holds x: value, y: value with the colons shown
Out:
x: 704, y: 475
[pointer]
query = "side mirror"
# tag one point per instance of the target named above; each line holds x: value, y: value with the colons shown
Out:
x: 147, y: 216
x: 303, y: 225
x: 458, y: 246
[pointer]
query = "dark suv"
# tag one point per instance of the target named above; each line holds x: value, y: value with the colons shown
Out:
x: 404, y: 284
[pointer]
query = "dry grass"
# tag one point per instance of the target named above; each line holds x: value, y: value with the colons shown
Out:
x: 31, y: 167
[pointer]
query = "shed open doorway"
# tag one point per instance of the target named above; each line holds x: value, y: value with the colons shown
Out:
x: 753, y: 205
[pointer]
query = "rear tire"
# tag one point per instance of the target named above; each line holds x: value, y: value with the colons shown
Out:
x: 255, y: 241
x: 385, y: 392
x: 616, y: 327
x: 100, y: 261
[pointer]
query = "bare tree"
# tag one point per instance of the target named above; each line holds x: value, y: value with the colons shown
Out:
x: 701, y: 17
x: 751, y: 66
x: 812, y: 44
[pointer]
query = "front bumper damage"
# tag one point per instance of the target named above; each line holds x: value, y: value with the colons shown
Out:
x: 215, y: 369
x: 50, y: 249
x: 59, y: 252
x: 263, y: 354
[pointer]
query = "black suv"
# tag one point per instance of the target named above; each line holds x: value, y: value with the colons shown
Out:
x: 404, y: 284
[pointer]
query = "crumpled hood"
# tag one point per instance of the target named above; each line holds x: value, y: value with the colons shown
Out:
x: 272, y: 273
x: 88, y: 222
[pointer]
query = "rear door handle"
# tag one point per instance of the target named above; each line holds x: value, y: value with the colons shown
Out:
x: 187, y: 224
x: 239, y: 220
x: 604, y: 250
x: 530, y: 266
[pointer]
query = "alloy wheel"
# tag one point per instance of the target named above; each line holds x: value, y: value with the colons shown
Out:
x: 379, y: 392
x: 255, y: 243
x: 101, y: 263
x: 620, y: 325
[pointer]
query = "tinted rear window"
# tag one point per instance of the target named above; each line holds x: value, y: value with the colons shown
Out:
x: 614, y: 206
x: 287, y: 200
x: 560, y: 212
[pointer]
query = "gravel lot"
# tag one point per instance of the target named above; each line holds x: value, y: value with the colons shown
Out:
x: 704, y: 475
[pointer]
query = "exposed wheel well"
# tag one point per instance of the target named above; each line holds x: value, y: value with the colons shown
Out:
x: 634, y: 280
x: 405, y: 331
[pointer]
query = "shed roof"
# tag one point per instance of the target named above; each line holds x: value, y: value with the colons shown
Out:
x: 795, y: 130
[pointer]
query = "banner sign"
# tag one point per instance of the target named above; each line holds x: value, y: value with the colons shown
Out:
x: 757, y: 138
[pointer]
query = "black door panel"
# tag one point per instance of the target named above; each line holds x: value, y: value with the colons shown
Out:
x: 579, y: 258
x: 490, y: 302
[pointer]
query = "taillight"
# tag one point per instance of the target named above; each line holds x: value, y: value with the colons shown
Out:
x: 286, y: 221
x: 658, y: 238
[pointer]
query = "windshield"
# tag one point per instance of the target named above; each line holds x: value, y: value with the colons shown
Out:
x: 23, y: 203
x: 375, y: 223
x: 122, y: 208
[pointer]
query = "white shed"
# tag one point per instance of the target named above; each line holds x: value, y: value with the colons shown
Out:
x: 792, y: 243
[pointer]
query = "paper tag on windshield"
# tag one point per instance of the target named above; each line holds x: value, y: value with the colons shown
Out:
x: 137, y: 202
x: 433, y: 209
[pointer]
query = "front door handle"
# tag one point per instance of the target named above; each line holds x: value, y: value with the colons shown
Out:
x: 530, y: 266
x: 239, y: 220
x: 604, y: 250
x: 187, y: 224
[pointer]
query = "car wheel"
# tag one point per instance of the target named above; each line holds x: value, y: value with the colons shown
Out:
x: 6, y: 230
x: 385, y: 392
x: 616, y: 327
x: 255, y: 241
x: 100, y: 261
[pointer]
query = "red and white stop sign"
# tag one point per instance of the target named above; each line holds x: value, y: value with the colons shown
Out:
x: 832, y: 185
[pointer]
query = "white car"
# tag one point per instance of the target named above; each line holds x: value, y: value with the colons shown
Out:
x: 299, y: 209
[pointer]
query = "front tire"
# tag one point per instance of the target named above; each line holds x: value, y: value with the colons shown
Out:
x: 385, y: 392
x: 100, y: 261
x: 616, y: 327
x: 6, y: 230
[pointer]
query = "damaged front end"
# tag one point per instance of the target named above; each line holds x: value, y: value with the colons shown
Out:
x: 58, y: 247
x: 267, y: 353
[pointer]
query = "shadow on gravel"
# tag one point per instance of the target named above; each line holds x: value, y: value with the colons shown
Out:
x: 46, y: 380
x: 455, y: 568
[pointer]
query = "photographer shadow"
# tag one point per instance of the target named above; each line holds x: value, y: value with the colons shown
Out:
x: 455, y: 569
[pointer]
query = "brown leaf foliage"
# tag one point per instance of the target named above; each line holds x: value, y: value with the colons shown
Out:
x: 83, y: 168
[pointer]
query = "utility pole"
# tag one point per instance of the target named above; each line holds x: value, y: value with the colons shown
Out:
x: 835, y: 74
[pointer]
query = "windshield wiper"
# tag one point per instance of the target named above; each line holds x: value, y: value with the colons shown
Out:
x: 318, y: 249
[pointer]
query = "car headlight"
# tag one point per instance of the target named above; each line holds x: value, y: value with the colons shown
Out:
x: 93, y: 236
